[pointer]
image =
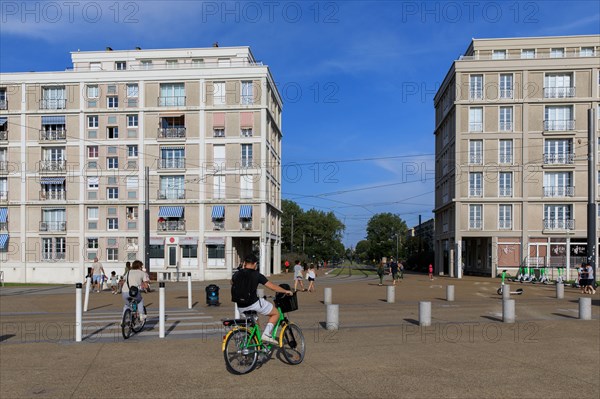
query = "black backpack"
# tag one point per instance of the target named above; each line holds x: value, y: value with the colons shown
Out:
x: 242, y: 290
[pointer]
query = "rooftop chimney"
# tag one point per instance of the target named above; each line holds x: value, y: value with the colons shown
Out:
x: 138, y: 48
x: 216, y: 44
x: 109, y: 49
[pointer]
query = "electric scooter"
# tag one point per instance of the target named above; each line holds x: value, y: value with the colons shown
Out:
x: 519, y: 291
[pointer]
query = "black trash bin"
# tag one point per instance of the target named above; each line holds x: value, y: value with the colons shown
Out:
x: 212, y: 295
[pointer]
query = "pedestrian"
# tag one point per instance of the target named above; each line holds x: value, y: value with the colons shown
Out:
x: 394, y: 270
x: 589, y: 287
x: 121, y: 280
x: 97, y: 274
x: 287, y: 265
x: 401, y: 269
x: 380, y: 272
x: 146, y: 288
x: 582, y: 277
x: 312, y: 275
x: 298, y: 276
x: 430, y: 272
x: 114, y: 283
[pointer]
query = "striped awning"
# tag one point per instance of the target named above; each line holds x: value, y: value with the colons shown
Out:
x: 3, y: 240
x: 53, y: 120
x: 157, y: 241
x: 246, y: 212
x: 170, y: 211
x: 172, y: 148
x: 52, y: 180
x: 3, y: 215
x: 218, y: 212
x: 3, y: 121
x: 214, y: 241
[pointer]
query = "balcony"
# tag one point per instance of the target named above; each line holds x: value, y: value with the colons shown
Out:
x: 506, y: 93
x: 53, y: 256
x: 218, y: 224
x: 505, y: 224
x: 171, y: 225
x: 557, y: 224
x: 3, y: 104
x: 3, y: 167
x: 53, y: 166
x: 476, y: 224
x: 171, y: 133
x: 3, y: 196
x: 4, y: 226
x: 559, y: 191
x: 559, y: 158
x: 171, y: 101
x: 246, y: 162
x: 559, y: 92
x: 53, y: 135
x: 60, y: 103
x: 247, y: 225
x: 53, y: 226
x: 53, y: 195
x: 559, y: 125
x: 170, y: 194
x: 3, y: 135
x: 476, y: 192
x: 171, y: 163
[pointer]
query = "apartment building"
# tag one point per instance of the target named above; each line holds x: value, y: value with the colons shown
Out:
x: 511, y: 143
x: 75, y: 145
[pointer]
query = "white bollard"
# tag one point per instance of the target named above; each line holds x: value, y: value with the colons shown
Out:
x: 78, y: 326
x: 88, y: 283
x: 327, y: 296
x: 161, y: 310
x: 508, y: 311
x: 425, y: 314
x: 236, y: 311
x: 585, y: 308
x: 333, y: 321
x: 391, y: 294
x: 560, y: 291
x: 189, y: 292
x: 260, y: 293
x: 506, y: 292
x: 450, y: 293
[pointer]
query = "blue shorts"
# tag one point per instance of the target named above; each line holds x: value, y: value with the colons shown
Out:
x: 97, y: 278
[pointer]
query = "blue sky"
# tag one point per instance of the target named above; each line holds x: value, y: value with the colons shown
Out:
x: 357, y: 78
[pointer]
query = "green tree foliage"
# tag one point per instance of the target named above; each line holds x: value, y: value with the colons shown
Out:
x: 381, y: 235
x: 362, y: 251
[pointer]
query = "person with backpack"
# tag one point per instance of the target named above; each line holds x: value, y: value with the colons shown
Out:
x: 243, y: 292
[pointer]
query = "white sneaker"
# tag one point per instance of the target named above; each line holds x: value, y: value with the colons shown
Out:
x: 269, y: 340
x: 143, y: 317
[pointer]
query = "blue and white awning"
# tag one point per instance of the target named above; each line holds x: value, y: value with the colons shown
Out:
x: 3, y: 240
x: 246, y: 212
x: 53, y: 120
x: 52, y: 180
x: 218, y: 212
x: 170, y: 211
x: 3, y: 215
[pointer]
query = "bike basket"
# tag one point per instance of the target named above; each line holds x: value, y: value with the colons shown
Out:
x: 286, y: 303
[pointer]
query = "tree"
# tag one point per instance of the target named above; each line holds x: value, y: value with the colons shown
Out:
x: 362, y: 251
x: 290, y: 210
x: 384, y: 232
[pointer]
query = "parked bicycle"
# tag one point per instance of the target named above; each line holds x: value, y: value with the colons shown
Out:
x: 132, y: 322
x: 242, y: 344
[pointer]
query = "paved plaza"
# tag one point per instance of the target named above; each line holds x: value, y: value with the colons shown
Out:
x: 379, y: 350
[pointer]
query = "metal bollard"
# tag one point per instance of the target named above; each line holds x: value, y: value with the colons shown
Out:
x: 327, y: 296
x: 391, y: 294
x: 333, y: 321
x: 189, y: 292
x: 585, y: 308
x: 506, y: 292
x: 508, y: 311
x: 78, y: 314
x: 161, y: 310
x: 560, y: 291
x: 425, y: 314
x: 450, y: 293
x: 88, y: 283
x: 260, y: 292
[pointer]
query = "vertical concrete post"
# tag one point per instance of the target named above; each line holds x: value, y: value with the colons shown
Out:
x: 327, y: 296
x: 78, y: 313
x: 450, y: 293
x: 391, y: 294
x: 560, y: 291
x: 333, y: 321
x: 161, y: 310
x: 585, y: 308
x: 189, y: 292
x: 508, y: 311
x: 88, y: 284
x: 424, y: 313
x: 506, y: 292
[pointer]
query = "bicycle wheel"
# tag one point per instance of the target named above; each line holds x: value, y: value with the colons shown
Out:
x: 126, y: 324
x: 293, y: 345
x: 239, y: 358
x: 138, y: 323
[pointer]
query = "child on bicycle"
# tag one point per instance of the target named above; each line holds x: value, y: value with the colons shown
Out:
x: 135, y: 277
x: 243, y: 291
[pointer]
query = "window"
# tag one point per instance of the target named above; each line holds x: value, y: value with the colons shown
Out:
x: 92, y: 243
x: 558, y: 184
x: 219, y: 156
x: 92, y: 213
x: 558, y: 118
x: 132, y: 120
x: 475, y: 152
x: 112, y: 163
x: 3, y: 188
x: 505, y: 184
x: 172, y: 158
x: 131, y: 212
x: 246, y: 186
x: 172, y: 94
x: 197, y: 63
x: 557, y: 53
x: 95, y: 66
x: 506, y: 85
x: 218, y: 132
x: 53, y: 220
x: 146, y: 64
x: 172, y: 187
x: 132, y: 151
x: 558, y: 151
x: 476, y: 87
x: 505, y: 155
x: 112, y: 102
x: 247, y: 93
x: 246, y: 155
x: 112, y: 223
x: 247, y: 132
x: 216, y: 251
x: 506, y: 119
x: 54, y: 248
x: 475, y: 217
x: 3, y: 104
x: 218, y: 186
x: 92, y: 121
x: 558, y: 217
x: 92, y: 91
x: 112, y: 254
x: 92, y: 183
x: 53, y: 98
x: 475, y: 184
x: 189, y: 251
x: 171, y: 64
x: 112, y: 132
x: 219, y: 93
x: 120, y: 65
x: 558, y: 85
x: 528, y: 53
x: 586, y: 52
x: 476, y: 119
x: 112, y: 193
x: 505, y: 217
x: 132, y: 90
x: 132, y: 243
x: 157, y: 251
x: 499, y: 54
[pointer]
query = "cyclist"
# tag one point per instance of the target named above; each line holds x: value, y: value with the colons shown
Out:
x: 135, y: 277
x: 244, y: 284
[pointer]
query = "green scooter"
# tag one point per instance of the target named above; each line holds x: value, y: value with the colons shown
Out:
x: 519, y: 291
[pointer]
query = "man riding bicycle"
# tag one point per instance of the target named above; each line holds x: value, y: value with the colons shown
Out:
x: 243, y: 292
x: 135, y: 277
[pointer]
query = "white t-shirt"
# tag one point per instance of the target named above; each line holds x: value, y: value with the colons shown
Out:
x: 298, y: 270
x: 311, y: 273
x: 135, y: 277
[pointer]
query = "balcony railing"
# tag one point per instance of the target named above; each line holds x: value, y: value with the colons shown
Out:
x: 475, y: 159
x: 50, y: 256
x: 53, y: 195
x: 3, y: 104
x: 475, y: 127
x: 506, y: 93
x: 475, y: 192
x: 171, y: 225
x: 53, y: 135
x: 505, y: 224
x: 476, y: 224
x: 171, y: 132
x: 171, y: 163
x: 246, y: 162
x: 60, y: 103
x: 559, y: 191
x: 506, y: 126
x: 171, y: 101
x: 3, y: 196
x: 505, y: 159
x: 170, y: 194
x: 555, y: 224
x: 247, y: 225
x: 505, y: 191
x: 53, y: 166
x: 218, y: 224
x: 475, y: 94
x: 559, y: 92
x: 53, y: 226
x: 3, y: 135
x: 559, y: 158
x: 3, y: 226
x: 559, y: 125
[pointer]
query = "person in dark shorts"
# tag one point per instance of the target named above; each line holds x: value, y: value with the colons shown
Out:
x: 394, y: 270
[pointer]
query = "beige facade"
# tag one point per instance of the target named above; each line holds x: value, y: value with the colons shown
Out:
x: 74, y: 147
x: 511, y: 142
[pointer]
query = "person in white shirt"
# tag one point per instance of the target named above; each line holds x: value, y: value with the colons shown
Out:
x: 135, y: 277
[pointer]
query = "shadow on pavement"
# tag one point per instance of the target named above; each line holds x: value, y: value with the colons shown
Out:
x: 492, y: 318
x: 6, y: 336
x: 412, y: 321
x: 99, y: 307
x: 565, y: 315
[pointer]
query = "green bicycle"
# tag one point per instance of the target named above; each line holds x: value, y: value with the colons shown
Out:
x: 242, y: 344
